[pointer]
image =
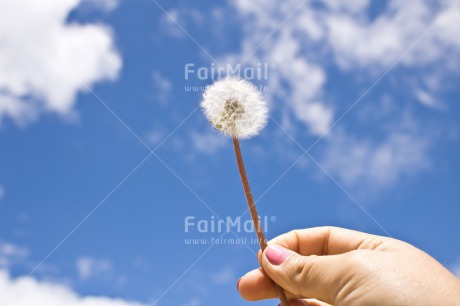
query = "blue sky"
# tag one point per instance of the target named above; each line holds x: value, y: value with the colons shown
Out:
x: 104, y: 153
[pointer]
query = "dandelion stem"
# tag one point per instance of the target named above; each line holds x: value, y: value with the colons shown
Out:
x: 253, y: 211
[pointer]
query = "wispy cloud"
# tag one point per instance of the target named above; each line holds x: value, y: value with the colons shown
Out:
x: 201, y: 283
x: 312, y: 35
x: 208, y: 142
x: 374, y: 164
x: 11, y: 254
x: 155, y: 136
x: 2, y: 192
x: 105, y: 5
x: 162, y: 86
x: 88, y: 268
x: 224, y: 276
x: 184, y: 17
x: 427, y: 98
x: 194, y: 301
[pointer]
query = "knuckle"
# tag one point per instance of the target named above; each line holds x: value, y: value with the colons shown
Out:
x: 302, y: 273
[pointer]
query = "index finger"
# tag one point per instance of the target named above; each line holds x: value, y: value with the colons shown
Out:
x: 327, y: 241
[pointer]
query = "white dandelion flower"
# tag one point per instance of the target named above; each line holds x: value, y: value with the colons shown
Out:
x: 235, y: 107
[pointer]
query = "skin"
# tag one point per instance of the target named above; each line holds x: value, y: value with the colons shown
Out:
x: 335, y: 266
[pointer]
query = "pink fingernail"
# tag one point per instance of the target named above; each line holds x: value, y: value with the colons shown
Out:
x: 276, y: 255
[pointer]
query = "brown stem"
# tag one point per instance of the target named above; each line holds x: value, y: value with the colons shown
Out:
x: 253, y: 211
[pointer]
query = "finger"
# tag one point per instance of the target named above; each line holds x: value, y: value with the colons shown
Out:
x: 256, y: 285
x: 327, y: 241
x: 305, y: 276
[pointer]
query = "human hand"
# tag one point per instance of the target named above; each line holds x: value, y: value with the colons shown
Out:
x: 335, y: 266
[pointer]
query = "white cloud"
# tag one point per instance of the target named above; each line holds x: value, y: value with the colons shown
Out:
x: 105, y: 5
x: 364, y: 42
x: 426, y: 98
x: 88, y: 267
x: 345, y: 29
x: 11, y: 254
x: 305, y: 80
x: 297, y: 84
x: 209, y: 142
x: 45, y: 62
x: 372, y: 163
x: 223, y: 277
x: 142, y: 263
x: 345, y: 36
x: 194, y: 301
x: 168, y: 22
x: 175, y: 20
x: 347, y: 6
x: 28, y: 291
x: 162, y: 86
x: 155, y: 136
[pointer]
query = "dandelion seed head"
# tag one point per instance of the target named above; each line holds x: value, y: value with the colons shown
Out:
x: 235, y: 107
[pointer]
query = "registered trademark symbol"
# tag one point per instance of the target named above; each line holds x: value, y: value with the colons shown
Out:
x: 273, y: 219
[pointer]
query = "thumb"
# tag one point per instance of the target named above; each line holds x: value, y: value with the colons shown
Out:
x: 307, y: 276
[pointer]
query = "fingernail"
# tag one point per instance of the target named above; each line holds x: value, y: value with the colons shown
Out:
x: 276, y: 255
x: 238, y: 285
